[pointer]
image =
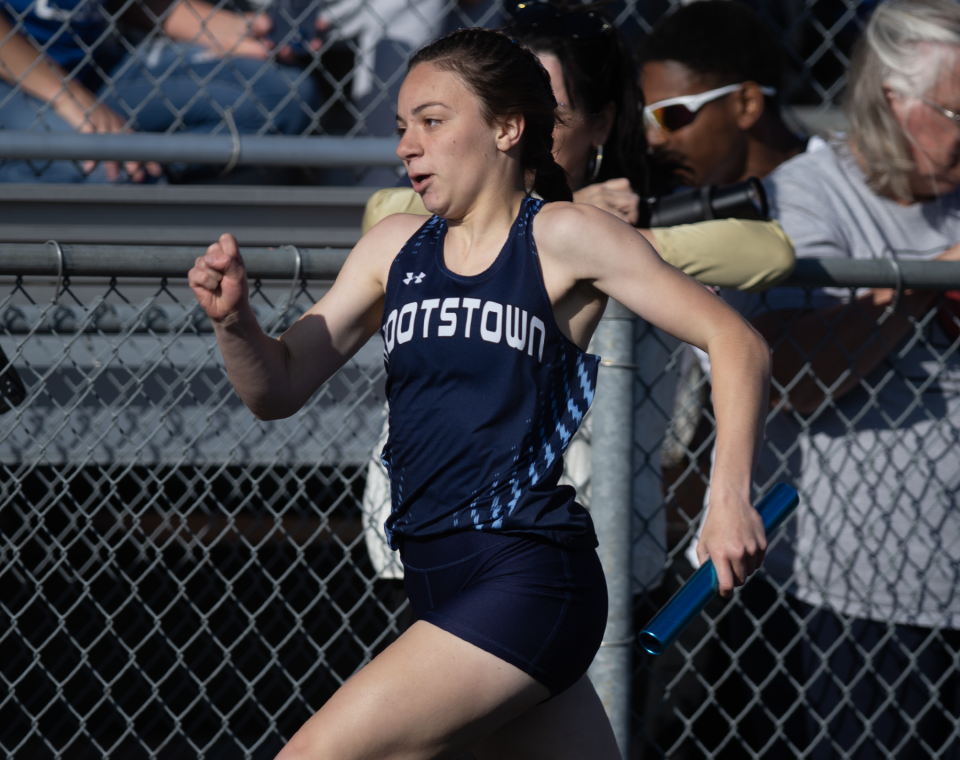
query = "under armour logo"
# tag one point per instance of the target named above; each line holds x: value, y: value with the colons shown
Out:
x: 415, y: 279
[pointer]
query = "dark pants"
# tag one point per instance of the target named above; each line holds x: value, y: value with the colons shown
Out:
x: 799, y: 681
x: 166, y: 86
x: 878, y: 690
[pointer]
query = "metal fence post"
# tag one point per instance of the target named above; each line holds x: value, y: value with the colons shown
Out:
x: 610, y: 499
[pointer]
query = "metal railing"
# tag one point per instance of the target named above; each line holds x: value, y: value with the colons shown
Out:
x: 178, y: 215
x: 180, y: 580
x: 203, y: 149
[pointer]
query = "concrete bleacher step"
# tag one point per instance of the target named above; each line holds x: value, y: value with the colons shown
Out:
x: 182, y: 214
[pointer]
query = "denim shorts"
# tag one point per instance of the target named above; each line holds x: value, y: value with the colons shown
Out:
x: 541, y: 608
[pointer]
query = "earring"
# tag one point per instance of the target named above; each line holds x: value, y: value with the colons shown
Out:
x: 594, y: 167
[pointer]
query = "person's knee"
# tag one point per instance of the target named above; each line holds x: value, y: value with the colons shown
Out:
x: 321, y: 738
x: 22, y: 112
x: 260, y: 96
x: 290, y: 96
x: 299, y: 748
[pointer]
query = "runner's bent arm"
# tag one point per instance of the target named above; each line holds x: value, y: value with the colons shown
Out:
x: 612, y: 260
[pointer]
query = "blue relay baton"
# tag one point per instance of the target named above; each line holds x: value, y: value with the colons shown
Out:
x: 703, y: 585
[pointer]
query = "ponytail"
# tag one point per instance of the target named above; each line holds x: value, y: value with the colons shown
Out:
x: 508, y: 80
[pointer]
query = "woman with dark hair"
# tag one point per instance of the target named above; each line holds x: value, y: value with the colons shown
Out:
x: 485, y: 314
x: 601, y: 143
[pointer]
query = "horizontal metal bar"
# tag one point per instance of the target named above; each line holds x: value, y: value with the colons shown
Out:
x: 115, y: 319
x: 182, y: 215
x: 247, y: 197
x: 252, y: 150
x: 875, y: 273
x: 96, y: 260
x: 162, y: 261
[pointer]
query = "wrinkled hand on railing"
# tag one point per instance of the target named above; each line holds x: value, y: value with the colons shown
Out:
x: 835, y: 347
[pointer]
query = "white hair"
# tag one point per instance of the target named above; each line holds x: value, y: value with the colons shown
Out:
x: 905, y: 48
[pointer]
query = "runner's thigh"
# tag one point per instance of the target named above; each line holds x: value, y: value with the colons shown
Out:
x: 428, y: 695
x: 571, y: 726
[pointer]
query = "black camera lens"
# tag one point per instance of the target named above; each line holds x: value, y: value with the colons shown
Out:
x: 744, y: 200
x: 741, y: 200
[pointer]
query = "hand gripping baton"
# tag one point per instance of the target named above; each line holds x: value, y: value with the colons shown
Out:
x: 703, y: 585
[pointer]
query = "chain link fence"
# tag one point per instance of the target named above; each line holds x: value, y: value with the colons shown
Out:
x: 179, y: 580
x: 769, y: 674
x: 273, y: 68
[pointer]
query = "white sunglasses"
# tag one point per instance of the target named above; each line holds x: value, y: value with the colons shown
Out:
x: 674, y: 113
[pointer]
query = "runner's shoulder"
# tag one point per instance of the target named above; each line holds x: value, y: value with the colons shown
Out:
x: 563, y: 226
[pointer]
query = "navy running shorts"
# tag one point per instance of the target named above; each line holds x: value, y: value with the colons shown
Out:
x: 532, y: 604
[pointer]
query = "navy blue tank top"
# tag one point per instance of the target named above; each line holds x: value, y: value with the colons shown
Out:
x: 485, y: 393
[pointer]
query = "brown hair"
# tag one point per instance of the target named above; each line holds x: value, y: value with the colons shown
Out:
x: 508, y: 80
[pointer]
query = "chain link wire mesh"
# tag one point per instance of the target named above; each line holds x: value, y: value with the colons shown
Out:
x: 178, y: 579
x: 769, y: 673
x: 295, y: 67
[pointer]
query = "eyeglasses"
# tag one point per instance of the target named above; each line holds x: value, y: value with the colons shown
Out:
x: 579, y: 25
x: 675, y: 113
x: 945, y: 111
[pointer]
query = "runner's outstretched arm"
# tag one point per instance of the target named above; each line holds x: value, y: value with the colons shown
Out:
x: 276, y: 377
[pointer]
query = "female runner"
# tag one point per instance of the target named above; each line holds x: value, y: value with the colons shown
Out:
x: 485, y: 310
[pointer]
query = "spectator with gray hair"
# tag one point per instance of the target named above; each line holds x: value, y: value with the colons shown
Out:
x: 873, y: 565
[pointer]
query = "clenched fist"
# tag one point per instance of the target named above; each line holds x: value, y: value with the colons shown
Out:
x: 219, y: 280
